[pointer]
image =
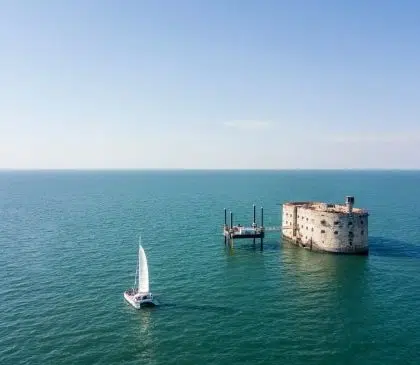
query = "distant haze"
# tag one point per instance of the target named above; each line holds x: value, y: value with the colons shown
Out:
x: 209, y: 84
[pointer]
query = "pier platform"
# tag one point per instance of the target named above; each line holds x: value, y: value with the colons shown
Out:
x: 232, y: 232
x: 243, y: 232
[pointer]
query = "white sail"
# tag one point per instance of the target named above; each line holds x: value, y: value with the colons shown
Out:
x: 143, y: 272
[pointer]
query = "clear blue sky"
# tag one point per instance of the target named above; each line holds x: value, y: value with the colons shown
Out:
x: 209, y: 84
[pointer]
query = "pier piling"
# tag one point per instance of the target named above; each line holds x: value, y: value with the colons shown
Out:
x: 262, y: 217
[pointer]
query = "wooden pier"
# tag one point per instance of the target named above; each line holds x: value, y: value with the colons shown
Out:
x: 254, y: 231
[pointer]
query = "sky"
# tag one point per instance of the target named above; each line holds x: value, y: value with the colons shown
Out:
x: 221, y: 84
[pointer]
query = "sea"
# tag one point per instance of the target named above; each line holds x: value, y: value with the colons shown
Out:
x: 69, y: 243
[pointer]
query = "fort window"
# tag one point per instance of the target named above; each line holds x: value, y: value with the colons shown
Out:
x: 323, y: 222
x: 350, y: 223
x: 361, y: 221
x: 363, y: 231
x: 322, y: 231
x: 335, y: 232
x: 336, y: 222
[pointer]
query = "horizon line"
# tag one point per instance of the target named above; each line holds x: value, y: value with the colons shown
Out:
x: 139, y: 169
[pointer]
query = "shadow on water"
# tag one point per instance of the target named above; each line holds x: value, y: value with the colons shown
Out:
x: 246, y: 245
x: 390, y: 247
x: 271, y: 245
x: 192, y: 307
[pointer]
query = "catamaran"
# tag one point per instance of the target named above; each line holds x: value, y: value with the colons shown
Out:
x: 140, y: 295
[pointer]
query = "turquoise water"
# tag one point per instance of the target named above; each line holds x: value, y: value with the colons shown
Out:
x: 68, y: 251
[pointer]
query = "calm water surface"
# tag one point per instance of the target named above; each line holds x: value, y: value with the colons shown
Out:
x: 68, y: 251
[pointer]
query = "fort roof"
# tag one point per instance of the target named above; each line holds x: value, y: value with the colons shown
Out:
x: 325, y: 207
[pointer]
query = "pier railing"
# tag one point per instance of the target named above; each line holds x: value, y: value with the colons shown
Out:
x: 272, y: 229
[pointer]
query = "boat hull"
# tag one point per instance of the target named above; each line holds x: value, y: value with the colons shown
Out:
x: 137, y: 302
x: 148, y: 303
